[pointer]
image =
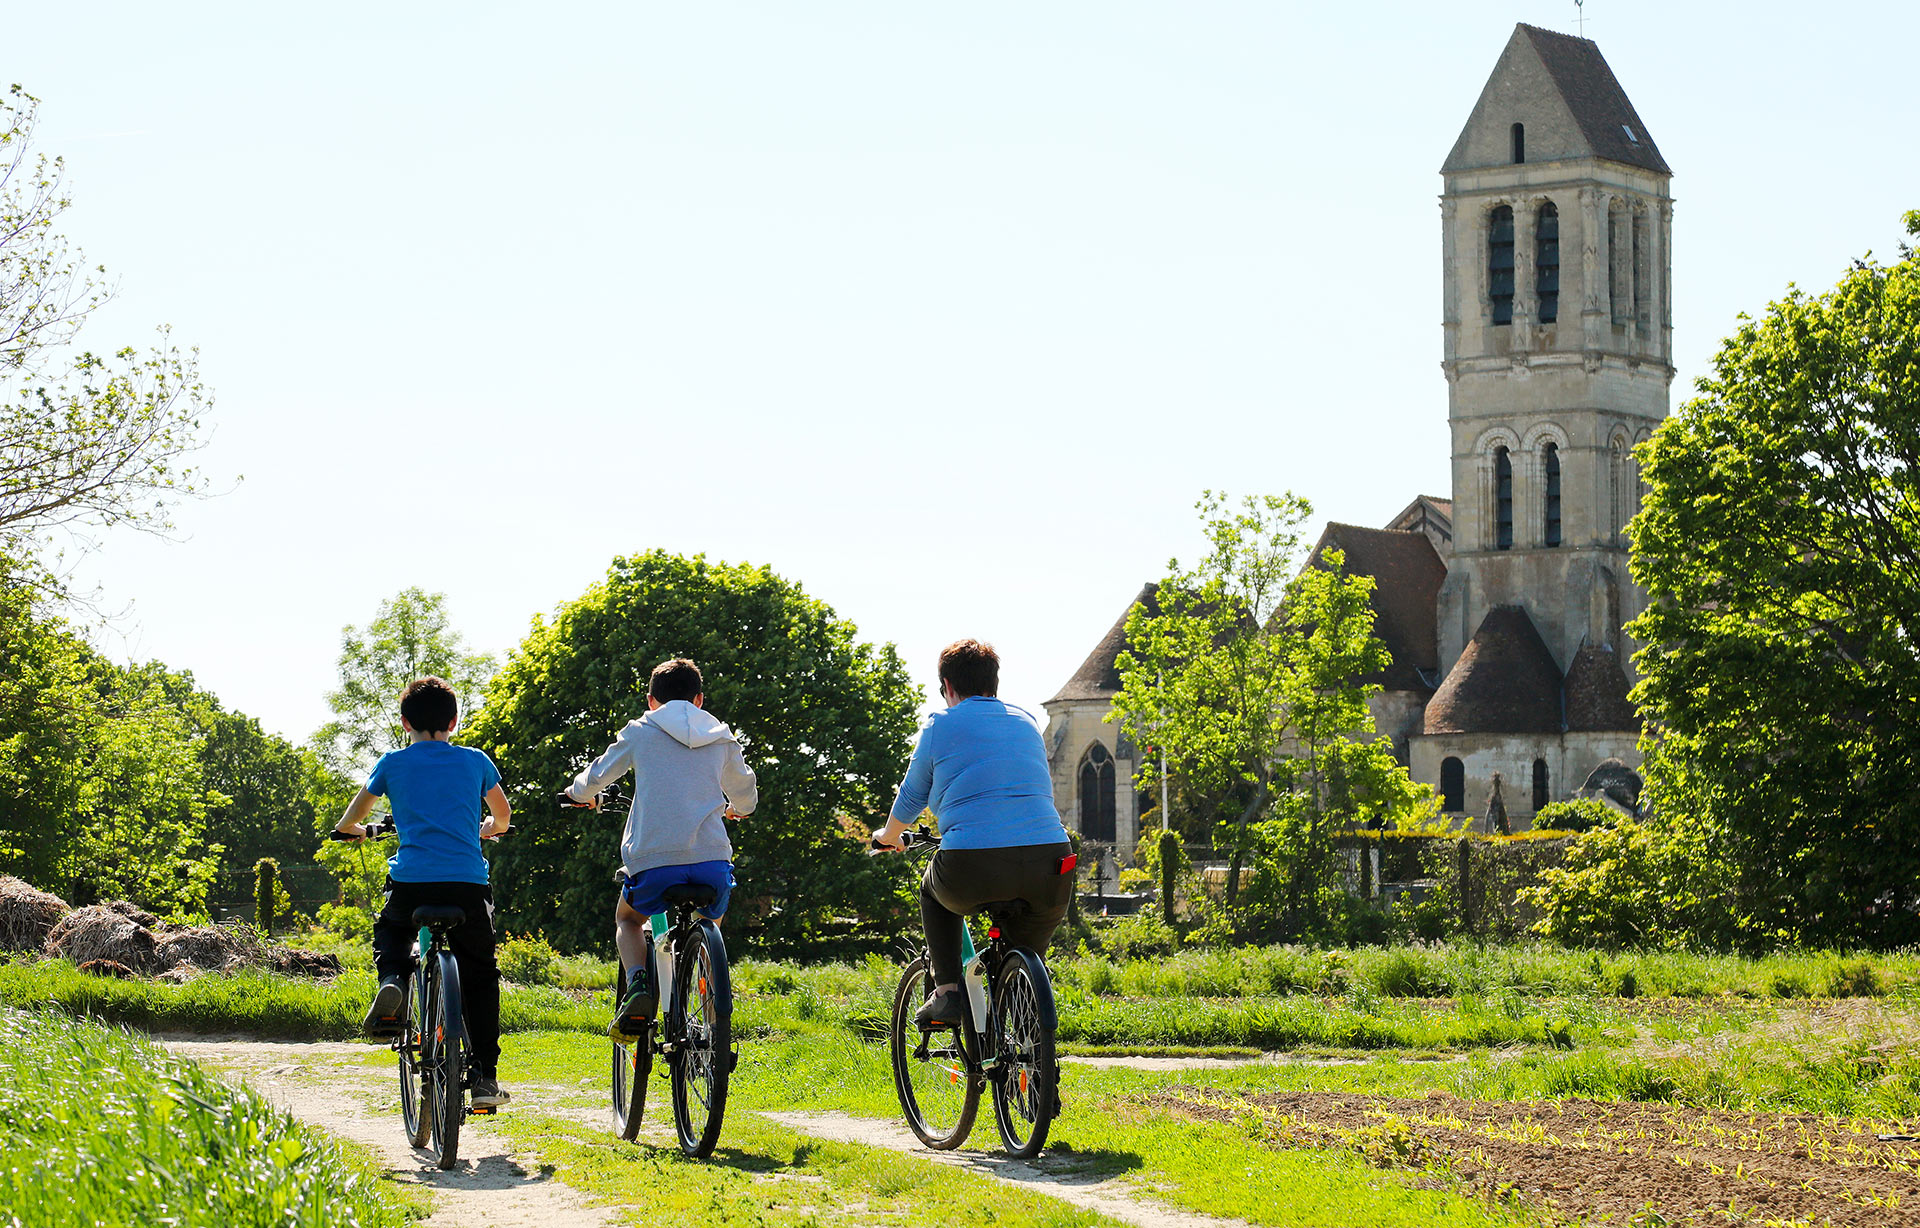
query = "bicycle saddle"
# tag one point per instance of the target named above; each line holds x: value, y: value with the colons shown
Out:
x: 439, y: 916
x: 696, y: 894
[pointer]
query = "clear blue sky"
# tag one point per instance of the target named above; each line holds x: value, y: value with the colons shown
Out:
x: 948, y: 313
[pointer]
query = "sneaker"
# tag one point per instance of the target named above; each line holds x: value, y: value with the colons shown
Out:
x: 488, y: 1094
x: 635, y: 1011
x: 383, y: 1017
x: 942, y: 1010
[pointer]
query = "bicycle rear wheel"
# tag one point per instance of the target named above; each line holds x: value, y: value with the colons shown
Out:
x: 447, y: 1102
x: 414, y: 1113
x: 701, y: 1031
x: 632, y: 1063
x: 938, y: 1093
x: 1026, y: 1083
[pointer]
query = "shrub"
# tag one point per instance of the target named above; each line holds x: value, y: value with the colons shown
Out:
x: 1855, y: 979
x: 528, y: 960
x: 1141, y: 936
x: 1581, y: 814
x: 1636, y: 882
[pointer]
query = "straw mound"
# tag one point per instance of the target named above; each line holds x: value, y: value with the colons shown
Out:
x: 134, y: 913
x: 179, y: 974
x: 27, y: 914
x: 108, y: 967
x: 212, y: 948
x: 292, y: 961
x: 98, y: 932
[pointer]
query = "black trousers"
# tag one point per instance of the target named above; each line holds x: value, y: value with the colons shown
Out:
x: 960, y: 882
x: 472, y: 943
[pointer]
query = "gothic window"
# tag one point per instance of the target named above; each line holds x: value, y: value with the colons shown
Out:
x: 1642, y: 272
x: 1546, y: 261
x: 1620, y: 262
x: 1519, y: 143
x: 1552, y: 464
x: 1097, y: 795
x: 1540, y: 792
x: 1453, y: 785
x: 1500, y: 264
x: 1502, y: 500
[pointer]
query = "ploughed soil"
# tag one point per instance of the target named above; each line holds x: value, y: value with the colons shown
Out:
x: 1585, y: 1159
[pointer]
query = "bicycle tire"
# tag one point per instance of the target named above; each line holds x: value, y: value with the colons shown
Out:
x: 449, y: 1099
x: 631, y: 1066
x: 1026, y: 1082
x: 414, y: 1113
x: 931, y: 1074
x: 701, y: 1029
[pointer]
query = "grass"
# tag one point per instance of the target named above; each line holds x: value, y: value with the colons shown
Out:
x: 100, y: 1127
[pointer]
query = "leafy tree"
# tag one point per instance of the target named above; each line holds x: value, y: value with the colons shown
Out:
x: 85, y: 440
x: 825, y: 723
x: 1779, y: 538
x: 409, y: 638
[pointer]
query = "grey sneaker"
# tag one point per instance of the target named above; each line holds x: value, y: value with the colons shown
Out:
x: 488, y: 1094
x: 383, y: 1017
x: 942, y: 1010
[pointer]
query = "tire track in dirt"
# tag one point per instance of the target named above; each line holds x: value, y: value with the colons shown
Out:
x: 1116, y: 1197
x: 326, y: 1085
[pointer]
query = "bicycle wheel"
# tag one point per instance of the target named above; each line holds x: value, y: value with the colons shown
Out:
x: 631, y: 1066
x: 448, y: 1100
x: 1026, y: 1083
x: 414, y: 1113
x: 930, y: 1069
x: 701, y: 1028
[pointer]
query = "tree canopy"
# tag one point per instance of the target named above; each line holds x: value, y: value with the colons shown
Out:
x: 1779, y: 539
x: 824, y: 719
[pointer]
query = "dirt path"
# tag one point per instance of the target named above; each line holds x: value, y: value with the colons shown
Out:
x: 327, y: 1085
x: 1113, y: 1196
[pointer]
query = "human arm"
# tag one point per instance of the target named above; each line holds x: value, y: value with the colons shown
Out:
x: 499, y: 819
x: 353, y: 822
x: 616, y: 761
x: 739, y: 784
x: 916, y: 790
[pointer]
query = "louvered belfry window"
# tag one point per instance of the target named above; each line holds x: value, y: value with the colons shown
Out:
x: 1500, y: 264
x: 1552, y: 463
x: 1502, y: 499
x: 1546, y: 262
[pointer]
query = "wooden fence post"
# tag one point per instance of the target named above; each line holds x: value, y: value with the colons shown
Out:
x: 1466, y: 884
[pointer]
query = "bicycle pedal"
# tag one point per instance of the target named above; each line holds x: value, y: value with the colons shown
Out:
x: 482, y: 1110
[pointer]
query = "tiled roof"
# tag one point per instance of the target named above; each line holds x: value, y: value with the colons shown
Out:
x: 1099, y: 675
x: 1505, y: 681
x: 1407, y: 575
x: 1597, y: 692
x: 1593, y: 94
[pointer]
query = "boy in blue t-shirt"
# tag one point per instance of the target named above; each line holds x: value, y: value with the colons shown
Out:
x: 436, y: 789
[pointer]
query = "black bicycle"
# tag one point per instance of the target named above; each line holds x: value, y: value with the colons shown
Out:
x: 693, y: 1033
x: 1005, y: 1039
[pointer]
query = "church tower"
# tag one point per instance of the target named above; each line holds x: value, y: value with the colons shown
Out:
x: 1556, y: 233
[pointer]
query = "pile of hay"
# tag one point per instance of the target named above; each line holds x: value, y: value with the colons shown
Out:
x: 292, y: 961
x: 27, y: 914
x: 211, y: 948
x: 101, y: 932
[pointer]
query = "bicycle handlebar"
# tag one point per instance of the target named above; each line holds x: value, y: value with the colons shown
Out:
x: 910, y: 839
x: 610, y: 800
x: 382, y: 826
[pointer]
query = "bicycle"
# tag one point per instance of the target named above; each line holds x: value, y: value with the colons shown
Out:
x: 693, y: 1030
x: 435, y: 1075
x: 1006, y: 1039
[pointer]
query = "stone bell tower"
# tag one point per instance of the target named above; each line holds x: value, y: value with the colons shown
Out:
x: 1556, y: 224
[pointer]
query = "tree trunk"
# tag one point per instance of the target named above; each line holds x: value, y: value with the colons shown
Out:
x: 1240, y: 835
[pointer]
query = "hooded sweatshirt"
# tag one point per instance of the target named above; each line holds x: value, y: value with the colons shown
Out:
x: 687, y: 769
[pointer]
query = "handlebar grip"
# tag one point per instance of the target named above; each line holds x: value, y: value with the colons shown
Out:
x: 337, y: 834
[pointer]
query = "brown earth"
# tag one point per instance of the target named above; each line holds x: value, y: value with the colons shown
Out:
x: 1585, y: 1160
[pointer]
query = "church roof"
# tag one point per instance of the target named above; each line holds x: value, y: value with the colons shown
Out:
x: 1505, y: 681
x: 1407, y: 575
x: 1597, y: 691
x: 1603, y: 123
x: 1099, y: 675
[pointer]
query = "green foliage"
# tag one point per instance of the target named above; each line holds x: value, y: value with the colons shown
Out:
x: 825, y: 721
x: 529, y: 960
x: 1631, y: 883
x: 410, y: 637
x: 1778, y: 539
x: 270, y: 902
x: 1580, y: 814
x: 98, y: 1127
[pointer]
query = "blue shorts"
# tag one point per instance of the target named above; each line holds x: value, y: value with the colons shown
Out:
x: 645, y: 891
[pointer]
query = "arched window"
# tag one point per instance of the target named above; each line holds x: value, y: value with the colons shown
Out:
x: 1540, y: 792
x: 1502, y: 500
x: 1453, y: 786
x: 1097, y: 794
x: 1519, y: 143
x: 1500, y: 264
x: 1546, y: 261
x: 1551, y: 461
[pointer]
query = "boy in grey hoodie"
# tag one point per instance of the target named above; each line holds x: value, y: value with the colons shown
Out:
x: 689, y: 776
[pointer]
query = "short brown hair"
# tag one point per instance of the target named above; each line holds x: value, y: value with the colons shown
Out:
x: 972, y: 667
x: 675, y: 679
x: 429, y: 705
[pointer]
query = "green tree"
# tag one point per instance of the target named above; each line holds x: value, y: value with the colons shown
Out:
x: 85, y: 440
x: 1779, y: 539
x: 409, y: 637
x: 825, y: 721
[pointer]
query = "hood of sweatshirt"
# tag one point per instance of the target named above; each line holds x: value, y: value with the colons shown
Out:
x: 690, y: 726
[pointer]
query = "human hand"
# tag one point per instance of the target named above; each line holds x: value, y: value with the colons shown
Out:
x: 886, y: 838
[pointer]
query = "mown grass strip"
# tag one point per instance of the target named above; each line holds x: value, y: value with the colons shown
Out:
x: 100, y: 1127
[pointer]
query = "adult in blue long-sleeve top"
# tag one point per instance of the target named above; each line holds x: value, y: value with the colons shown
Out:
x: 981, y: 768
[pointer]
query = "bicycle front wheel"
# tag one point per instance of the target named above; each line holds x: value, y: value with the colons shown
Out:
x: 632, y: 1063
x: 447, y: 1099
x: 1026, y: 1081
x: 414, y: 1112
x: 701, y: 1033
x: 938, y: 1092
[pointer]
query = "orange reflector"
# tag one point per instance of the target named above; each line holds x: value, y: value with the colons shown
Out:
x: 1023, y: 1083
x: 703, y: 986
x: 953, y: 1076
